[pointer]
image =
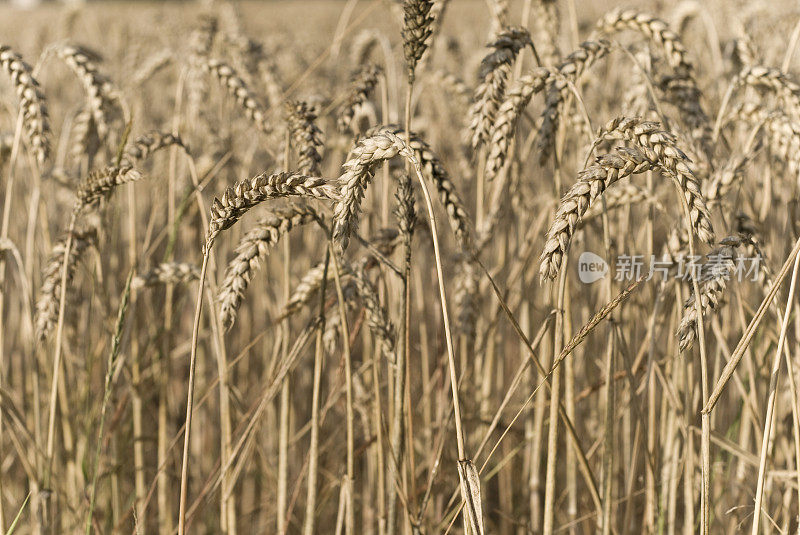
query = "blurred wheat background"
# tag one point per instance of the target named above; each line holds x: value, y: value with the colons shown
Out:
x: 315, y: 266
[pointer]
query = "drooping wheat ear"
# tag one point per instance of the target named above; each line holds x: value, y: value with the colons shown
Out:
x: 592, y: 182
x: 416, y: 32
x: 452, y: 85
x: 6, y: 145
x: 377, y: 318
x: 466, y: 297
x: 568, y: 73
x: 546, y: 30
x: 676, y: 247
x: 305, y: 289
x: 357, y: 175
x: 505, y: 123
x: 499, y: 12
x: 101, y: 94
x: 362, y: 86
x: 247, y: 193
x: 146, y: 144
x: 405, y: 209
x: 31, y: 100
x: 85, y: 139
x: 166, y: 273
x: 201, y: 40
x: 432, y: 168
x: 363, y: 44
x: 200, y: 45
x: 438, y: 12
x: 101, y: 183
x: 771, y: 80
x: 732, y: 172
x: 253, y: 247
x: 623, y: 195
x: 744, y: 51
x: 237, y: 88
x: 681, y: 86
x: 307, y: 138
x: 47, y: 306
x: 152, y: 65
x: 659, y: 146
x: 714, y: 277
x: 332, y: 330
x: 310, y: 283
x: 251, y: 59
x: 784, y: 140
x: 492, y: 79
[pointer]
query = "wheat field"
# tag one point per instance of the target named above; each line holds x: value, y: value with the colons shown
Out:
x: 400, y: 267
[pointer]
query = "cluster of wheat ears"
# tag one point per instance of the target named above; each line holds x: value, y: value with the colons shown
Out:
x: 316, y: 277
